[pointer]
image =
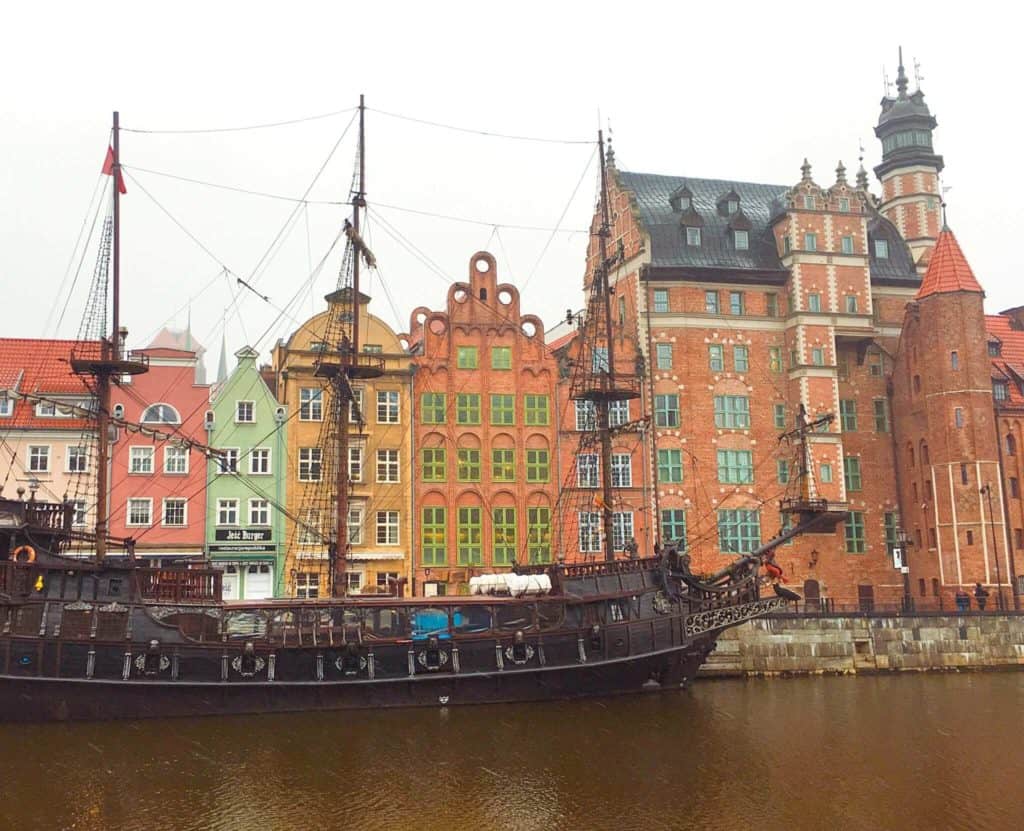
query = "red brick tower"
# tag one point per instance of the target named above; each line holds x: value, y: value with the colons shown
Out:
x: 946, y: 440
x: 909, y: 172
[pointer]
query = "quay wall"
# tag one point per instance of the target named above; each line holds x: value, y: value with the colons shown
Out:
x: 873, y: 643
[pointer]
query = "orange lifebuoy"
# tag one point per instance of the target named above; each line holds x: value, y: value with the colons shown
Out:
x: 28, y: 551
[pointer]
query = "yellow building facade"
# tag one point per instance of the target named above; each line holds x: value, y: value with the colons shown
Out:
x: 380, y: 528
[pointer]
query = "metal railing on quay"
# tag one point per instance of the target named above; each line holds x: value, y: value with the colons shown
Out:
x: 925, y: 606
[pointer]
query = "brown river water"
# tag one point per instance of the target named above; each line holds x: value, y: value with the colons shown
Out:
x: 908, y: 752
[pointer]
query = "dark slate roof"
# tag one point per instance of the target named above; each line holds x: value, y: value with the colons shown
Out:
x: 899, y: 267
x: 759, y: 205
x: 668, y: 240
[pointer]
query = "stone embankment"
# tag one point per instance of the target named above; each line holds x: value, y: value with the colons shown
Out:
x: 870, y: 643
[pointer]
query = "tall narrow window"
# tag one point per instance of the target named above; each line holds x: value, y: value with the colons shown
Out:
x: 814, y: 302
x: 741, y: 358
x: 434, y: 464
x: 470, y: 550
x: 387, y: 407
x: 851, y: 473
x: 660, y: 300
x: 954, y: 360
x: 958, y: 417
x: 538, y: 466
x: 741, y: 240
x: 847, y: 243
x: 810, y: 242
x: 692, y: 236
x: 663, y: 355
x: 711, y: 302
x: 503, y: 532
x: 434, y: 537
x: 848, y: 415
x: 855, y: 543
x: 538, y: 534
x: 716, y: 357
x: 775, y: 358
x: 881, y: 415
x: 736, y: 302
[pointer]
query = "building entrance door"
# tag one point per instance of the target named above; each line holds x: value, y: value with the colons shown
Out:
x: 259, y: 581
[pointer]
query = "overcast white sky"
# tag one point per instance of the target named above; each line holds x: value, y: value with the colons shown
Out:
x: 738, y: 92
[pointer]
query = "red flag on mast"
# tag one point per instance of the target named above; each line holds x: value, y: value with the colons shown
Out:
x: 108, y: 169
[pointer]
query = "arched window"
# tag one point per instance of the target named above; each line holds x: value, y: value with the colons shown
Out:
x: 1011, y: 445
x: 161, y: 414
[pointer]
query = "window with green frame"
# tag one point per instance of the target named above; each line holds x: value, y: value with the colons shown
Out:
x: 779, y: 414
x: 503, y: 465
x: 741, y: 358
x: 736, y: 467
x: 434, y: 537
x: 469, y: 465
x: 851, y: 473
x: 670, y: 465
x: 855, y: 532
x: 467, y: 408
x: 673, y: 527
x: 782, y: 471
x: 732, y: 412
x: 503, y: 409
x: 467, y: 357
x: 434, y: 464
x: 716, y: 357
x: 501, y: 357
x: 470, y: 534
x: 739, y: 532
x: 503, y: 532
x: 891, y: 523
x: 538, y: 534
x: 666, y: 410
x: 848, y: 415
x: 881, y: 415
x: 537, y: 410
x: 538, y: 467
x: 433, y: 407
x: 775, y: 358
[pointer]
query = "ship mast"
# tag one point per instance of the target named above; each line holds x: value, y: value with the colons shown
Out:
x: 603, y: 420
x: 110, y: 363
x: 348, y: 364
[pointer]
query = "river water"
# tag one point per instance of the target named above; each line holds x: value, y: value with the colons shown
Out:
x: 907, y: 752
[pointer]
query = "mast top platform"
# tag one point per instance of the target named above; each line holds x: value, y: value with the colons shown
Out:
x: 132, y: 363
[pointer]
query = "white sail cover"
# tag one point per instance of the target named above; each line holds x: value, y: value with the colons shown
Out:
x: 515, y: 585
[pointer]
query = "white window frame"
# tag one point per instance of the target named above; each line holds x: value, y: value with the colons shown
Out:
x: 355, y: 406
x: 6, y: 406
x: 355, y: 463
x: 161, y: 409
x: 881, y: 249
x: 138, y: 500
x: 386, y: 524
x: 586, y: 415
x: 141, y: 453
x: 388, y: 464
x: 618, y: 413
x: 661, y: 304
x: 46, y: 409
x: 622, y: 529
x: 228, y: 464
x: 693, y: 236
x: 622, y: 470
x: 742, y: 240
x: 45, y: 457
x: 260, y: 461
x: 589, y: 531
x: 84, y: 455
x: 310, y: 532
x: 389, y: 403
x: 256, y: 508
x: 184, y: 512
x: 238, y: 412
x: 588, y: 470
x: 169, y: 451
x: 313, y: 455
x: 80, y: 513
x: 229, y: 505
x: 353, y: 581
x: 306, y: 582
x: 356, y: 519
x: 312, y: 404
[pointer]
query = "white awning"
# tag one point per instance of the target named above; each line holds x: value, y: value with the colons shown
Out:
x: 363, y: 556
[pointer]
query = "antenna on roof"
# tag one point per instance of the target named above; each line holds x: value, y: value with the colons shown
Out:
x: 886, y: 85
x: 918, y: 77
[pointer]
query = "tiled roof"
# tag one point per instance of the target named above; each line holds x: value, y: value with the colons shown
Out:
x: 948, y: 269
x: 668, y: 239
x: 565, y: 339
x: 43, y: 367
x: 1010, y: 361
x: 758, y: 205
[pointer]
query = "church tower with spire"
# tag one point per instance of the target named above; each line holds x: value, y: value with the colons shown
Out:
x: 910, y: 168
x: 946, y: 442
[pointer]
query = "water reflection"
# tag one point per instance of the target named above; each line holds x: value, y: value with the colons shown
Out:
x: 903, y: 752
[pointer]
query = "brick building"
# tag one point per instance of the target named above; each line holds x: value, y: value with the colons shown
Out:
x: 957, y: 396
x: 484, y: 389
x: 746, y: 303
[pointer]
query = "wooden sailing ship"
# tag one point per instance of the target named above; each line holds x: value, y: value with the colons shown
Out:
x: 107, y: 637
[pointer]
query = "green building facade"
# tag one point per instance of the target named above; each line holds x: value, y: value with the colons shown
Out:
x: 244, y: 525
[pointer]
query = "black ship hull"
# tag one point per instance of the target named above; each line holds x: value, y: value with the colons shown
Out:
x: 46, y: 699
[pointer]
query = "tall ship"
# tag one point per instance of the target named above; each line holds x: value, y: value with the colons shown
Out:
x: 89, y: 631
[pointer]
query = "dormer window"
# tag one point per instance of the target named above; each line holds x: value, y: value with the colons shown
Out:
x: 693, y: 236
x: 681, y: 199
x: 684, y: 203
x: 881, y: 249
x: 741, y: 239
x: 809, y: 203
x: 995, y: 349
x: 844, y: 205
x: 732, y: 205
x: 6, y: 406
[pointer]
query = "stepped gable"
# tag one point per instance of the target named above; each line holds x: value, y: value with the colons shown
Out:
x: 948, y: 269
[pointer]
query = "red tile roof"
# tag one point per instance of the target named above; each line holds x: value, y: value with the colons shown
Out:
x: 558, y: 343
x: 1010, y: 361
x: 948, y: 269
x: 44, y: 367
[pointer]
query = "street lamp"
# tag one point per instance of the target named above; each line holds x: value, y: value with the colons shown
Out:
x: 987, y: 490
